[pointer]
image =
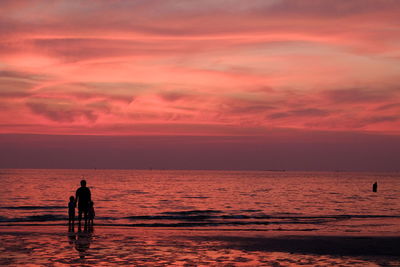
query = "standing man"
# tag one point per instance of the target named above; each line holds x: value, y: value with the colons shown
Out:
x: 83, y: 198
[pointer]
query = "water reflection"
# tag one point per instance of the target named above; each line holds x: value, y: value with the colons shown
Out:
x: 81, y: 239
x: 71, y: 237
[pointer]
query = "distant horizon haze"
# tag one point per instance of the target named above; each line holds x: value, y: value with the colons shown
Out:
x: 312, y: 152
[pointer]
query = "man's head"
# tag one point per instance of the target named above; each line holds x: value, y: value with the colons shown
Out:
x: 83, y: 183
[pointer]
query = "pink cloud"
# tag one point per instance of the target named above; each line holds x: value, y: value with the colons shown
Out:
x: 185, y: 67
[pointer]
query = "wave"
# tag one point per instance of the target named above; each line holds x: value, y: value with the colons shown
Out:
x: 192, y: 227
x: 34, y: 207
x: 191, y: 212
x: 34, y: 218
x: 198, y: 218
x: 199, y: 197
x: 185, y: 217
x: 46, y: 218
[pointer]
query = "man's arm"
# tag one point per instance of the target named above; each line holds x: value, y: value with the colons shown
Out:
x: 76, y: 196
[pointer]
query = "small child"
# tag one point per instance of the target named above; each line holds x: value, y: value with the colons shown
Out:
x: 91, y: 212
x: 71, y: 211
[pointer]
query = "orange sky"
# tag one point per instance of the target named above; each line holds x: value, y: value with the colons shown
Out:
x: 199, y: 67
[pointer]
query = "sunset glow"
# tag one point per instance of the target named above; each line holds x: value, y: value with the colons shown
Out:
x: 200, y: 68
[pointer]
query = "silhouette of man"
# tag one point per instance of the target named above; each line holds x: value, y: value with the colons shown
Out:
x: 83, y: 197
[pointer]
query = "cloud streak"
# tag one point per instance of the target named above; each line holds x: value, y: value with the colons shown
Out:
x: 199, y: 67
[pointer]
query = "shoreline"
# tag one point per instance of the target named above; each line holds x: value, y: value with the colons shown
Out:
x: 105, y: 246
x: 127, y: 228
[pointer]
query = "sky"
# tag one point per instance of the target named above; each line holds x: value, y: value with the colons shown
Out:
x: 200, y: 84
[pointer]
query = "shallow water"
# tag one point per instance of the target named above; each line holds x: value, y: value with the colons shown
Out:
x: 336, y: 202
x: 106, y: 246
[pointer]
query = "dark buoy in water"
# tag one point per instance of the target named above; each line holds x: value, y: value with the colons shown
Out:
x: 375, y: 187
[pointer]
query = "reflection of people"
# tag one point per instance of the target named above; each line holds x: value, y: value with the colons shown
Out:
x: 71, y: 212
x: 71, y: 237
x: 83, y: 197
x: 91, y: 212
x: 82, y: 242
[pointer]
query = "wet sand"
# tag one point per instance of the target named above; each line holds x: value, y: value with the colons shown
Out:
x: 106, y: 246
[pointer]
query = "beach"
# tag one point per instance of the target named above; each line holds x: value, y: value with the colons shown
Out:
x: 113, y: 246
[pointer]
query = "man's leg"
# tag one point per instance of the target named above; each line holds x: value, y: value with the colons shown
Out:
x: 80, y: 216
x: 86, y: 216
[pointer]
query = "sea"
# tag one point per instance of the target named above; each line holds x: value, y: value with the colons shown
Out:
x: 320, y: 202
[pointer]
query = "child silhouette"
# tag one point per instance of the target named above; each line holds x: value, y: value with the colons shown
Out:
x: 91, y: 212
x: 71, y: 211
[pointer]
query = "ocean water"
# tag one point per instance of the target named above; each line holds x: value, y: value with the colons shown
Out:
x: 323, y: 202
